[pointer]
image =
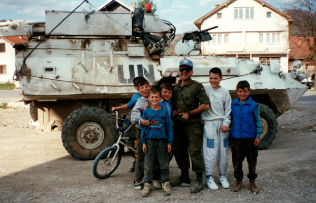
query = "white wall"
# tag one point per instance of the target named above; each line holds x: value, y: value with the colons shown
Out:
x: 8, y: 59
x: 244, y: 33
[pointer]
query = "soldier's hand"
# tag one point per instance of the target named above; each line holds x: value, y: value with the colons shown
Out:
x: 145, y: 122
x: 144, y: 148
x: 224, y: 129
x: 257, y: 141
x: 184, y: 115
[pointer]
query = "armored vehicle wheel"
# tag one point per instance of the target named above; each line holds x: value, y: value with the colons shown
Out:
x: 87, y: 131
x: 269, y: 126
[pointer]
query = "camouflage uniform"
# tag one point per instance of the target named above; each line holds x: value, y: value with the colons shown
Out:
x: 188, y: 134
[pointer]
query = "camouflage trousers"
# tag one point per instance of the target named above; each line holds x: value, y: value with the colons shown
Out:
x: 242, y: 148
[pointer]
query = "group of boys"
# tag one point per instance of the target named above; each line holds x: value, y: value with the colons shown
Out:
x: 204, y: 144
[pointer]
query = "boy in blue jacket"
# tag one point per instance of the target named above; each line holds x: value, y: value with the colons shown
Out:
x: 157, y: 137
x: 246, y: 132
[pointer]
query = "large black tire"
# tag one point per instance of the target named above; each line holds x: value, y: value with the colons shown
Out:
x: 104, y: 165
x: 269, y: 126
x: 87, y: 131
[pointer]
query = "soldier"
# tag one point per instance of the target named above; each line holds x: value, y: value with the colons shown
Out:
x: 188, y: 102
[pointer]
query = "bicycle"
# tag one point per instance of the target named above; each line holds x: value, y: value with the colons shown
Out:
x: 109, y: 159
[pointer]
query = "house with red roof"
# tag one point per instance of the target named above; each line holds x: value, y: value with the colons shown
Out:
x: 247, y: 29
x: 300, y: 50
x: 7, y: 56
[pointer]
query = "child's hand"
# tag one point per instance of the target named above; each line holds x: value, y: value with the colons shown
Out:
x: 145, y: 148
x: 169, y: 148
x: 224, y: 129
x: 145, y: 122
x: 147, y: 105
x: 257, y: 141
x: 174, y: 112
x: 113, y: 109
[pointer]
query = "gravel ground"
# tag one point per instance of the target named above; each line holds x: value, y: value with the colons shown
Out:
x: 36, y: 167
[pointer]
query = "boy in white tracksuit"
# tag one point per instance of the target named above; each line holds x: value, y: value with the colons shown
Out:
x: 216, y: 130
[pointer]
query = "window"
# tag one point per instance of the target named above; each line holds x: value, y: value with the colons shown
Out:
x: 266, y: 60
x: 261, y: 37
x: 244, y: 13
x: 214, y: 39
x: 2, y: 47
x: 270, y: 38
x: 226, y: 38
x: 268, y: 14
x: 217, y: 39
x: 219, y: 15
x: 3, y: 70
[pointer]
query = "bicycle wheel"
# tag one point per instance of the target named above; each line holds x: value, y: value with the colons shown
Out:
x: 106, y: 162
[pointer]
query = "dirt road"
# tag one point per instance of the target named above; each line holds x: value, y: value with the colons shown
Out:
x: 36, y: 168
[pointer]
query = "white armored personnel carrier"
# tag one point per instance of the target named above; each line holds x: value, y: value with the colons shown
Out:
x: 77, y: 65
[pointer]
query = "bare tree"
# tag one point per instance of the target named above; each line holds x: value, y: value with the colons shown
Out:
x: 303, y: 13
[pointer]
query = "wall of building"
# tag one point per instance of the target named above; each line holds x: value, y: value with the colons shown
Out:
x: 7, y: 58
x: 258, y: 35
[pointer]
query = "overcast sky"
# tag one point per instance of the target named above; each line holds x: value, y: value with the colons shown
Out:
x: 181, y: 13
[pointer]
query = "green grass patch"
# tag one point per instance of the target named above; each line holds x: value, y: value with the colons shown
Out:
x: 7, y: 86
x: 4, y: 106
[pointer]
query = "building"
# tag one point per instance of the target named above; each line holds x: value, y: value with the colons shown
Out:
x: 300, y: 50
x: 115, y: 6
x: 7, y: 57
x: 247, y: 29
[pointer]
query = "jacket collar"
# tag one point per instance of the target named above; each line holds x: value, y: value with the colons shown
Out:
x: 248, y: 102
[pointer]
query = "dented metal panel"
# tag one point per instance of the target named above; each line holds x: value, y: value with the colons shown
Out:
x: 79, y: 23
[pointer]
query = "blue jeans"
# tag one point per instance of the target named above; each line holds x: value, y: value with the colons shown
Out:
x: 156, y: 148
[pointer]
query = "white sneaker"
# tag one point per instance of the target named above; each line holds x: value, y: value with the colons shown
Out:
x: 224, y: 182
x: 211, y: 183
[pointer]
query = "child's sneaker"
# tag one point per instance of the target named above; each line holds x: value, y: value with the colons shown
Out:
x: 211, y: 183
x: 137, y: 186
x: 147, y: 189
x: 157, y: 184
x: 166, y: 188
x: 224, y: 182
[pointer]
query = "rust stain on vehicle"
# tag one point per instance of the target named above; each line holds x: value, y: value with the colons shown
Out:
x: 84, y: 43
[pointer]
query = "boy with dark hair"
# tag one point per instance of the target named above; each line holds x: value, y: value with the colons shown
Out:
x: 144, y: 88
x: 156, y: 139
x: 131, y: 104
x: 215, y: 133
x: 246, y: 132
x: 166, y: 94
x: 166, y: 89
x: 134, y: 98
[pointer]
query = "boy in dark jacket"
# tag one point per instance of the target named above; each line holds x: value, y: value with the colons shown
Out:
x: 246, y: 132
x: 157, y: 136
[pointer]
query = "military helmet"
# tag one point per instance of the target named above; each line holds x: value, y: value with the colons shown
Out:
x: 186, y: 62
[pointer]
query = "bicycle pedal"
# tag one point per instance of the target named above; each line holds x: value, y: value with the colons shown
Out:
x: 126, y: 149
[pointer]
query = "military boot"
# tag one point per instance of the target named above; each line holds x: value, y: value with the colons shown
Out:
x: 199, y: 185
x: 253, y: 186
x: 237, y: 185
